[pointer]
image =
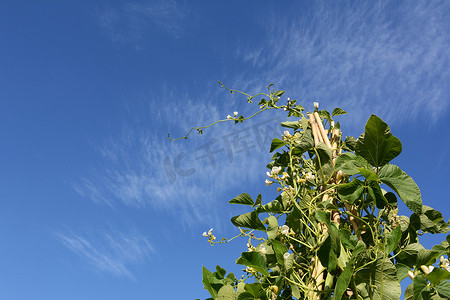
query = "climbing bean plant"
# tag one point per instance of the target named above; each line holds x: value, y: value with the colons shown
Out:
x: 334, y: 230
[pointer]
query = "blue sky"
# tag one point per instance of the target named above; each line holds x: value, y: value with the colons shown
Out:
x: 96, y: 203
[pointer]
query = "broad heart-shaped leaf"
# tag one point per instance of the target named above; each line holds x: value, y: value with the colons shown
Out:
x: 248, y: 220
x: 438, y: 275
x: 253, y: 288
x: 304, y: 143
x: 378, y: 279
x: 419, y: 287
x: 352, y: 191
x: 277, y: 143
x: 244, y: 199
x: 377, y: 144
x: 416, y: 255
x: 226, y: 292
x: 403, y: 185
x: 254, y: 260
x: 443, y: 288
x: 351, y: 164
x: 429, y: 220
x: 279, y: 249
x: 402, y: 271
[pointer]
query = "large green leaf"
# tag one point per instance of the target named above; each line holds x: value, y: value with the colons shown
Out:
x: 437, y: 275
x: 211, y: 283
x: 352, y: 191
x: 403, y: 185
x: 429, y: 220
x: 420, y: 288
x: 351, y: 164
x: 416, y: 255
x: 393, y: 238
x: 377, y: 144
x: 443, y: 288
x: 226, y: 292
x: 378, y: 278
x: 402, y: 271
x: 324, y: 162
x: 248, y: 220
x: 277, y: 143
x: 244, y: 199
x: 254, y: 260
x: 304, y: 143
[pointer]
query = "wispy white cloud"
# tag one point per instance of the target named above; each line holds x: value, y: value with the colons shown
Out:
x: 389, y: 58
x: 113, y: 253
x: 140, y: 168
x: 134, y: 21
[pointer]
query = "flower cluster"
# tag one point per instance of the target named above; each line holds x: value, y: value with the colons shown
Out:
x: 210, y: 236
x: 445, y: 263
x: 234, y: 115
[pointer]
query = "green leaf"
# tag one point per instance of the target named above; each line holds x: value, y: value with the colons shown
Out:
x: 254, y: 260
x: 348, y: 240
x: 402, y: 271
x: 245, y: 296
x: 209, y: 280
x: 289, y: 262
x: 226, y: 292
x: 277, y: 143
x: 253, y: 288
x: 244, y: 199
x: 338, y: 111
x: 377, y: 144
x: 351, y: 164
x: 248, y: 220
x: 324, y: 162
x: 273, y: 206
x: 343, y: 282
x: 416, y: 255
x: 352, y: 191
x: 280, y: 249
x: 304, y: 143
x: 393, y: 239
x: 429, y: 220
x: 272, y: 228
x: 376, y: 194
x: 403, y: 185
x: 291, y: 124
x: 437, y: 275
x: 443, y: 288
x: 349, y: 143
x: 380, y: 277
x: 419, y: 286
x: 409, y: 292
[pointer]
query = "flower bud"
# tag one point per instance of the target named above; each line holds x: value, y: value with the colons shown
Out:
x: 411, y: 274
x: 316, y: 105
x: 425, y: 269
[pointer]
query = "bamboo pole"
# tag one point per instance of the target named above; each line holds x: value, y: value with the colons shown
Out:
x: 322, y: 130
x: 315, y: 130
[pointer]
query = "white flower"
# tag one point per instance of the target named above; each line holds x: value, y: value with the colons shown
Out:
x: 268, y: 174
x: 411, y: 275
x: 316, y: 105
x: 268, y: 182
x: 286, y: 255
x: 235, y: 113
x: 431, y: 268
x: 262, y: 249
x: 310, y: 176
x: 229, y: 117
x: 286, y: 133
x: 285, y: 109
x: 205, y: 234
x: 425, y: 269
x: 210, y: 232
x: 285, y: 229
x: 276, y: 170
